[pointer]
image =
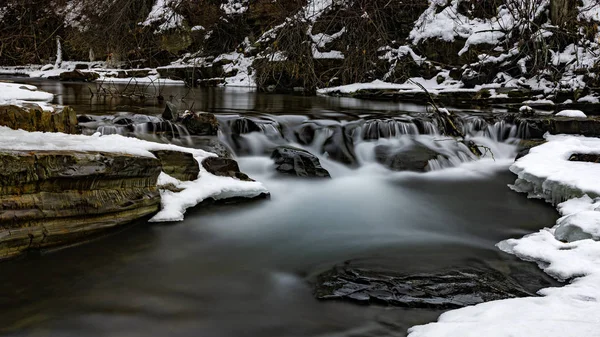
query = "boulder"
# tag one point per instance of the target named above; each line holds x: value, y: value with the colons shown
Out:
x: 36, y: 119
x: 170, y: 113
x: 224, y: 167
x: 243, y: 125
x: 298, y: 162
x: 200, y: 124
x: 50, y: 199
x: 179, y: 165
x: 340, y: 146
x: 441, y: 290
x: 414, y: 157
x: 79, y: 76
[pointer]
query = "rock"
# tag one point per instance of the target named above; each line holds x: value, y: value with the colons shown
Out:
x: 472, y: 78
x: 179, y: 165
x: 214, y: 145
x: 84, y: 119
x: 306, y: 134
x: 243, y: 125
x: 224, y: 167
x: 36, y: 119
x: 200, y: 124
x: 587, y: 157
x: 57, y: 198
x: 79, y: 76
x: 121, y: 120
x: 298, y: 162
x: 527, y: 144
x: 536, y: 127
x: 441, y: 290
x: 170, y: 113
x: 340, y: 147
x: 414, y: 157
x: 137, y: 73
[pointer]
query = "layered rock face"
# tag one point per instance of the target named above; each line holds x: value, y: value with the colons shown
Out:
x: 35, y: 119
x: 55, y: 198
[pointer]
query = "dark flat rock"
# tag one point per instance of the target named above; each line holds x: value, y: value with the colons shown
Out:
x: 440, y: 290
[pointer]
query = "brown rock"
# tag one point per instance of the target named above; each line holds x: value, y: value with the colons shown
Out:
x: 224, y: 167
x: 35, y: 119
x: 54, y: 198
x: 179, y: 165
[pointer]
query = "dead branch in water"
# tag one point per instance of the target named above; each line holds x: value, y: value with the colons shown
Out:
x: 448, y: 124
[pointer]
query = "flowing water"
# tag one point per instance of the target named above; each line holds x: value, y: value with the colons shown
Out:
x: 246, y: 269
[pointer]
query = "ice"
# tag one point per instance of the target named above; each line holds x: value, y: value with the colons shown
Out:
x: 571, y: 113
x: 174, y: 204
x: 18, y: 94
x: 568, y: 252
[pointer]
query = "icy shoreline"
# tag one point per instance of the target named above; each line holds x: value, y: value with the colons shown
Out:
x: 568, y: 252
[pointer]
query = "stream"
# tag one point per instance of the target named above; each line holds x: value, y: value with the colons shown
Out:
x: 247, y: 269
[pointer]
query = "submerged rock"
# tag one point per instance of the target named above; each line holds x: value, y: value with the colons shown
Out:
x: 298, y: 162
x: 441, y: 290
x: 414, y: 157
x: 36, y: 119
x: 224, y: 167
x: 57, y: 198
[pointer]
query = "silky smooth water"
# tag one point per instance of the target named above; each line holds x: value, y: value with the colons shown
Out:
x: 246, y: 269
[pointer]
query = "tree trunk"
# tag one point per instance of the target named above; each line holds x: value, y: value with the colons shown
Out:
x: 563, y: 12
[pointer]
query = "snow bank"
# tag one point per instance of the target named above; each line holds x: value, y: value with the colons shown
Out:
x: 174, y: 204
x: 17, y: 94
x: 547, y: 173
x: 567, y: 251
x: 572, y: 113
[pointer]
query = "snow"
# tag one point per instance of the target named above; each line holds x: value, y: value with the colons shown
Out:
x: 18, y: 94
x: 571, y: 113
x: 568, y: 251
x: 173, y: 204
x: 162, y: 12
x: 231, y: 7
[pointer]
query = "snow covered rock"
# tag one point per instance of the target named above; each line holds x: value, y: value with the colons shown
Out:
x: 572, y: 113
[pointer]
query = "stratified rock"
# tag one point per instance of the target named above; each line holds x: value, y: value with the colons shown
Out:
x: 36, y: 119
x: 442, y: 290
x: 298, y: 162
x: 200, y: 124
x: 79, y: 76
x: 57, y: 198
x: 179, y: 165
x: 415, y: 157
x: 170, y: 113
x: 224, y: 167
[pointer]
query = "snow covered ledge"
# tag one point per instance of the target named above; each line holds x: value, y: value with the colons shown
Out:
x: 174, y: 203
x: 569, y: 251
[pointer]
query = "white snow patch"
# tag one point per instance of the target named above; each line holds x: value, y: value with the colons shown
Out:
x: 162, y: 12
x: 572, y: 113
x: 18, y: 94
